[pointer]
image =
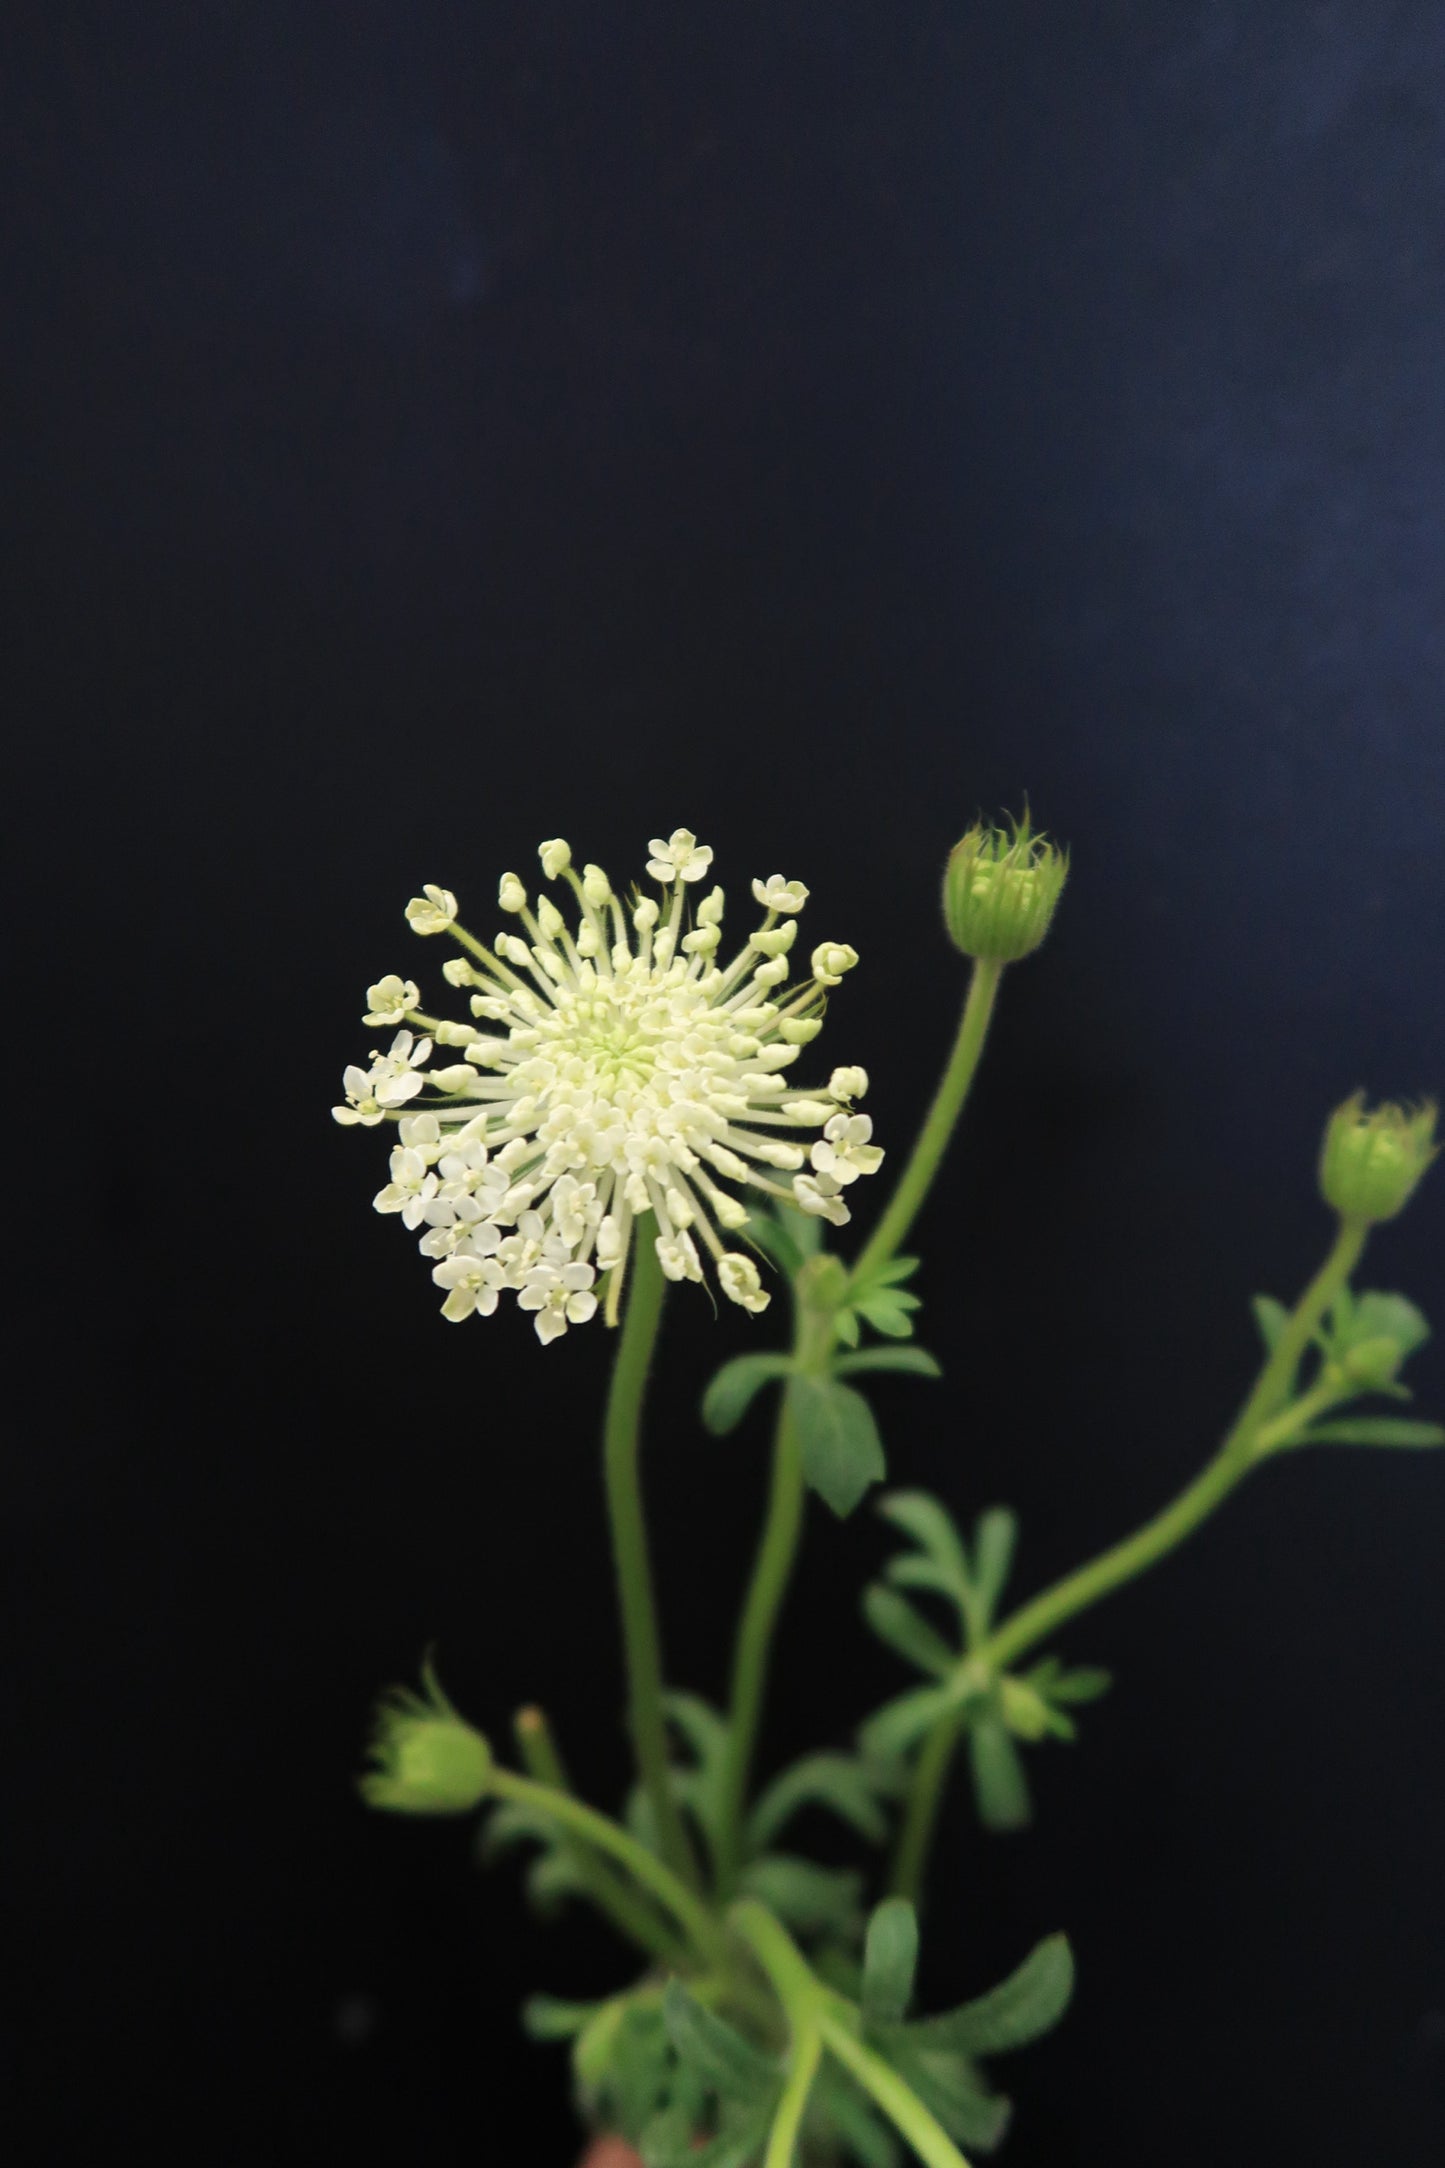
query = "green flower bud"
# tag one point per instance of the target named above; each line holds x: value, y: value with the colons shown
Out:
x: 1372, y: 1162
x: 428, y: 1761
x: 1000, y: 890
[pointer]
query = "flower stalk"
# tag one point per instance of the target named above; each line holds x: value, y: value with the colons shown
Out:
x: 621, y: 1452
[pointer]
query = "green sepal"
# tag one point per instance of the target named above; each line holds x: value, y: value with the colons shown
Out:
x: 1001, y: 1790
x: 716, y: 2053
x: 1021, y: 2008
x: 842, y: 1451
x: 806, y: 1897
x: 915, y: 1360
x: 1374, y: 1430
x: 906, y: 1631
x: 732, y: 1390
x: 890, y: 1961
x: 845, y: 1786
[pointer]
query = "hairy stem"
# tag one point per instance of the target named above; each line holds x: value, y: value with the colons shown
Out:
x: 621, y: 1445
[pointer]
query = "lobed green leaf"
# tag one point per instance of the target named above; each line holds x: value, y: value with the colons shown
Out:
x: 906, y: 1631
x: 836, y: 1781
x: 842, y: 1451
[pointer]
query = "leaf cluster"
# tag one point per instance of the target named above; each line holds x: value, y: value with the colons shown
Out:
x: 967, y: 1579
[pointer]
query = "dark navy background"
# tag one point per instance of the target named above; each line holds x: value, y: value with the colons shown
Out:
x: 433, y: 428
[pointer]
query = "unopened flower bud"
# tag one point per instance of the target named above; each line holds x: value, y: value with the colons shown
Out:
x: 556, y: 857
x: 1000, y: 891
x: 427, y: 1760
x: 1372, y: 1162
x: 510, y: 893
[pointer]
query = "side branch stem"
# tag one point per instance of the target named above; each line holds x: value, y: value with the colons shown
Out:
x: 914, y: 1182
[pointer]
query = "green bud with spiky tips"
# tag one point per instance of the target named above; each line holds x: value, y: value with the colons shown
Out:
x: 1372, y: 1161
x: 1000, y: 890
x: 428, y: 1759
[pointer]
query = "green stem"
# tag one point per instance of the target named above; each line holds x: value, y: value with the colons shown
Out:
x: 925, y: 1797
x: 914, y: 1181
x: 777, y: 1551
x: 1124, y: 1561
x: 702, y: 1927
x: 608, y: 1890
x: 802, y: 2069
x: 928, y: 2138
x: 621, y: 1440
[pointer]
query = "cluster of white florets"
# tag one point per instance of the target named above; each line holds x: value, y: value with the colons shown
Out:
x: 626, y: 1076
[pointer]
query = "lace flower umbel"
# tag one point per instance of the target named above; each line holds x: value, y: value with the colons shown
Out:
x: 617, y: 1080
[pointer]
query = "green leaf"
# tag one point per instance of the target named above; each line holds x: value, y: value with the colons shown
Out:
x: 835, y: 1781
x: 890, y: 1960
x: 1018, y: 2010
x: 888, y: 1311
x: 953, y: 2090
x: 842, y: 1451
x: 995, y: 1535
x: 894, y: 1728
x: 547, y: 2017
x: 1086, y: 1683
x: 906, y: 1631
x: 779, y: 1240
x: 999, y: 1784
x: 890, y: 1274
x: 1377, y: 1316
x: 932, y: 1529
x: 739, y: 2146
x: 806, y: 1897
x: 1374, y: 1430
x: 916, y: 1360
x: 845, y: 1325
x: 715, y: 2051
x: 733, y: 1390
x: 1271, y: 1317
x: 867, y: 2138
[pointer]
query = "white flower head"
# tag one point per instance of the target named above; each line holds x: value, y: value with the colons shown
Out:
x: 433, y: 911
x: 629, y: 1083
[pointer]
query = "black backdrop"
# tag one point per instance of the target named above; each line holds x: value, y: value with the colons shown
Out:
x: 438, y: 427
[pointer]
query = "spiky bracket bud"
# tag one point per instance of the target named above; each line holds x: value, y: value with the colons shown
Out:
x: 1000, y: 890
x: 1372, y: 1161
x: 428, y: 1759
